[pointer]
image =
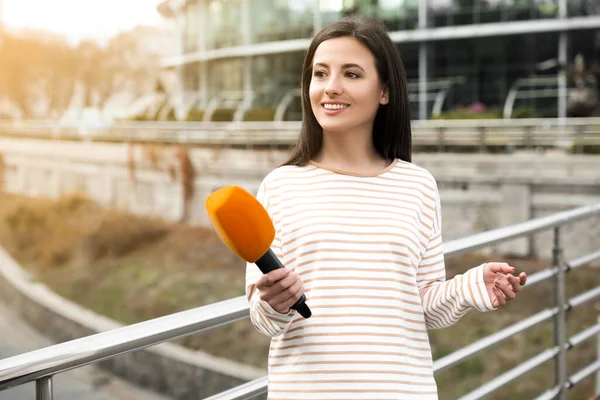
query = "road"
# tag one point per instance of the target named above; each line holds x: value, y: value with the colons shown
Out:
x: 87, y: 383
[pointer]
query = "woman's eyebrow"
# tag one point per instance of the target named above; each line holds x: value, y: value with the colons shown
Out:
x: 345, y: 66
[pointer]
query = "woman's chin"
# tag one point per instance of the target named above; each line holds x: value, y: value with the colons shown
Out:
x: 333, y: 127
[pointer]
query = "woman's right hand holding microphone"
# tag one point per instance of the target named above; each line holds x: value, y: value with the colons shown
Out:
x: 281, y: 288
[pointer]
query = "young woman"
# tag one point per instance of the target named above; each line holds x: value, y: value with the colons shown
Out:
x: 358, y: 228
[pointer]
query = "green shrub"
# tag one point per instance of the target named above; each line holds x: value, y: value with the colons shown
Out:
x: 140, y: 117
x: 465, y: 113
x: 171, y: 115
x: 490, y: 113
x: 223, y: 114
x: 260, y: 114
x: 195, y: 114
x: 525, y: 112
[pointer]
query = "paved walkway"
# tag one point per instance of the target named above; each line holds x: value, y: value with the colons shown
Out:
x: 87, y: 383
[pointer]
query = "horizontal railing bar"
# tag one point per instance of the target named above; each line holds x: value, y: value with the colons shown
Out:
x: 583, y: 373
x: 572, y: 381
x: 485, y: 239
x: 246, y: 391
x: 468, y: 351
x: 539, y: 123
x: 286, y: 133
x: 511, y: 375
x: 584, y: 260
x: 504, y: 380
x: 573, y: 341
x: 549, y: 394
x: 584, y: 297
x: 62, y: 357
x: 279, y: 138
x: 584, y: 335
x: 540, y: 277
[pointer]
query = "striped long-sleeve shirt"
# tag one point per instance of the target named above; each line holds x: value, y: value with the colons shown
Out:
x: 369, y: 251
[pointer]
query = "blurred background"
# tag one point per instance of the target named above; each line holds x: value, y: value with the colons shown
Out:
x: 205, y: 60
x: 119, y: 118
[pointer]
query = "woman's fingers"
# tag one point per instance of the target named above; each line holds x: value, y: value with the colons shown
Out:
x: 505, y: 284
x: 514, y: 282
x: 499, y: 300
x: 505, y: 288
x: 523, y: 278
x: 282, y: 299
x: 272, y: 284
x: 501, y: 267
x: 298, y: 292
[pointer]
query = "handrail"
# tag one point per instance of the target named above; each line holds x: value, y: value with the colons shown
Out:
x: 65, y: 356
x: 531, y: 81
x: 46, y: 362
x: 458, y: 247
x: 262, y: 125
x: 481, y: 133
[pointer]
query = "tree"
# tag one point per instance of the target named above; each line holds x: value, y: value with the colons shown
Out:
x: 17, y: 71
x: 37, y: 73
x: 42, y: 74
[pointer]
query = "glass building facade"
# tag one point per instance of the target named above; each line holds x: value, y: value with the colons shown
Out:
x: 241, y: 59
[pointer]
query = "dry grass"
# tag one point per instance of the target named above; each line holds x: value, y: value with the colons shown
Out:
x: 133, y: 268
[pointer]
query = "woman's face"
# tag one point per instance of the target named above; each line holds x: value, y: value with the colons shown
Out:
x: 345, y: 89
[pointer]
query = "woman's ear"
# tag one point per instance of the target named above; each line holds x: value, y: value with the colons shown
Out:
x: 385, y: 96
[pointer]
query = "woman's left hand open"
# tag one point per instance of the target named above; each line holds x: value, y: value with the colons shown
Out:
x: 501, y: 283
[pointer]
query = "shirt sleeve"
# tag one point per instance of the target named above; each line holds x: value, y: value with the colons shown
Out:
x: 446, y: 301
x: 264, y: 318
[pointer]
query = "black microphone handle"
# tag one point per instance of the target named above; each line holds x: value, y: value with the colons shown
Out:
x: 270, y: 262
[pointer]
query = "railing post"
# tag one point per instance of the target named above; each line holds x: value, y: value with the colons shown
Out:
x: 482, y: 143
x: 441, y: 140
x: 528, y: 137
x: 43, y: 388
x: 560, y: 331
x: 598, y: 358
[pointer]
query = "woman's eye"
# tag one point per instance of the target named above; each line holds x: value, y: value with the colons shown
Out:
x: 319, y: 74
x: 353, y: 75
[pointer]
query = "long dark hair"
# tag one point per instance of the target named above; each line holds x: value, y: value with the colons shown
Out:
x: 391, y: 129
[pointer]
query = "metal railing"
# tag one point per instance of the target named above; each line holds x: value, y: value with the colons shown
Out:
x: 41, y: 365
x: 440, y: 134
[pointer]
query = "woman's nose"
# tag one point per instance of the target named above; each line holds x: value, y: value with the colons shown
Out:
x: 333, y: 87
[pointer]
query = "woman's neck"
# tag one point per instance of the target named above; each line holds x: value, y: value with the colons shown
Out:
x: 350, y: 152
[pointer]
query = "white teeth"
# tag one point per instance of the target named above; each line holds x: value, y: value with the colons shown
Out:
x: 334, y: 106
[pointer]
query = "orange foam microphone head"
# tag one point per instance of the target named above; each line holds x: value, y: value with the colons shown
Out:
x: 241, y: 222
x: 246, y: 228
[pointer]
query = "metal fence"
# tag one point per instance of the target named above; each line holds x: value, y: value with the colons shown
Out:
x: 41, y: 365
x: 572, y: 133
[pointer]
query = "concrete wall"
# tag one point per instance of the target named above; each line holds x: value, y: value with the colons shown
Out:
x: 478, y: 191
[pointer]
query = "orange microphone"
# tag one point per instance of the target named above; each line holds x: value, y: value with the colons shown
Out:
x: 245, y: 227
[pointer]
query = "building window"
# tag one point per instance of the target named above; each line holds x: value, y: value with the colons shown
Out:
x: 274, y: 20
x: 225, y: 76
x: 396, y: 14
x: 466, y: 12
x: 224, y: 23
x: 485, y: 69
x: 274, y: 76
x: 191, y: 30
x: 579, y: 8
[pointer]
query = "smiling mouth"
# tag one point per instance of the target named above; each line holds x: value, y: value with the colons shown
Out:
x: 334, y: 107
